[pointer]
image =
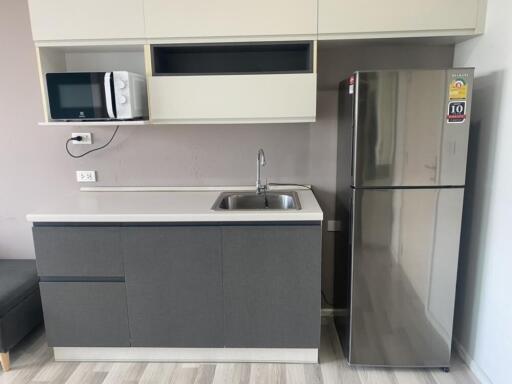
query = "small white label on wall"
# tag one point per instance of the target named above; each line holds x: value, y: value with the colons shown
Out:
x: 86, y: 176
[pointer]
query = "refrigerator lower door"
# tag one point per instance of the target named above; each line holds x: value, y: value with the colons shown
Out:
x: 405, y: 246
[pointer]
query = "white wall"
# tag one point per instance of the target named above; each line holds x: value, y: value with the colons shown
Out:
x: 483, y: 323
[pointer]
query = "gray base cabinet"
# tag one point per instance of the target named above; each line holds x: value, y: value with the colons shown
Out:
x: 272, y: 294
x: 85, y: 314
x: 174, y: 285
x: 181, y: 286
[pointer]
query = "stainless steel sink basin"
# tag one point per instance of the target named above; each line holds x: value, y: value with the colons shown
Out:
x: 252, y: 201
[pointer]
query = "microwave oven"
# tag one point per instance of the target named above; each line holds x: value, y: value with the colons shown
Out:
x: 83, y: 96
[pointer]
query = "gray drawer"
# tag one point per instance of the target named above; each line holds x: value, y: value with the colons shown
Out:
x: 85, y: 314
x: 78, y: 251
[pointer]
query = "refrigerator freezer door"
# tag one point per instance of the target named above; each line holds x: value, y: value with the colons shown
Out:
x: 404, y: 267
x: 402, y: 133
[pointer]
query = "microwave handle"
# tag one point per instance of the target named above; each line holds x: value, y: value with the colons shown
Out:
x: 108, y: 95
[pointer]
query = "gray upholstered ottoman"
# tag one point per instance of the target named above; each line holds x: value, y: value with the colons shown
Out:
x: 20, y: 304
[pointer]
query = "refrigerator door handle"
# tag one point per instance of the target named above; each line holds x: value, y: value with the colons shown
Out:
x: 351, y: 221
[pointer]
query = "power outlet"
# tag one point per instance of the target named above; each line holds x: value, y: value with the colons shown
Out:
x: 86, y: 138
x: 86, y: 176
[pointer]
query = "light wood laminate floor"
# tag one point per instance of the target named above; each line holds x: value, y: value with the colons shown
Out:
x: 32, y: 362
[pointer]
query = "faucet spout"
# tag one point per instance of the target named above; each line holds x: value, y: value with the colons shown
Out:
x: 260, y: 162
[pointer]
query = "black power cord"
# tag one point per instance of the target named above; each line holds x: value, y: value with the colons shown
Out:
x: 79, y: 138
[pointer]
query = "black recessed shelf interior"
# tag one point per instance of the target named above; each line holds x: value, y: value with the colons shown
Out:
x: 232, y: 58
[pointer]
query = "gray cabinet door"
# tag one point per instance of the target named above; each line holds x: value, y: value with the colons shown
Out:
x: 272, y: 286
x: 83, y: 251
x: 174, y: 286
x: 85, y: 314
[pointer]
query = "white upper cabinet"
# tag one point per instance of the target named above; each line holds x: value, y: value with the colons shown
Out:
x: 180, y: 21
x: 208, y: 19
x: 60, y: 20
x: 256, y: 82
x: 338, y: 19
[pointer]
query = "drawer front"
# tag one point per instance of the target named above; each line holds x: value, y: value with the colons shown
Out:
x: 78, y: 251
x: 85, y: 314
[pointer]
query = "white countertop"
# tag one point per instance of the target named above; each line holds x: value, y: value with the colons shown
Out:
x: 165, y: 204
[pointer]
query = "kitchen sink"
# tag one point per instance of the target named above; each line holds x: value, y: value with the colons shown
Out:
x: 231, y: 201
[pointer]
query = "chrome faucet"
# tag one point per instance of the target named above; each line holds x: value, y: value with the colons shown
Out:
x: 260, y: 161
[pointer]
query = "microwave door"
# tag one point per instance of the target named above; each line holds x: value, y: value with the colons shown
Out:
x: 110, y: 95
x: 78, y: 96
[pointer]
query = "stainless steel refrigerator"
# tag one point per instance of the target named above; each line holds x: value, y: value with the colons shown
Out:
x: 402, y: 150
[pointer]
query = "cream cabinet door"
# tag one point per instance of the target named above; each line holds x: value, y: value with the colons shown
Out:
x: 233, y: 98
x: 86, y: 20
x: 229, y: 18
x: 400, y: 17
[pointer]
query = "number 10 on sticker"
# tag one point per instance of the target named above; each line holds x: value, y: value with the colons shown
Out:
x: 456, y: 112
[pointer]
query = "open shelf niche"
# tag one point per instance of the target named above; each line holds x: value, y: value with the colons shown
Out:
x: 100, y: 58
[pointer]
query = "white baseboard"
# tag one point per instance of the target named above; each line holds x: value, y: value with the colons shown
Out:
x: 189, y: 355
x: 473, y: 366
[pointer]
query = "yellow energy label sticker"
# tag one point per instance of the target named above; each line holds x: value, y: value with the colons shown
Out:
x: 458, y: 89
